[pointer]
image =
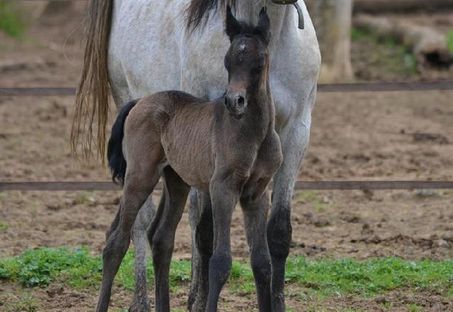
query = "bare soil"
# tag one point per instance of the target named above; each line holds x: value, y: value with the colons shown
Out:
x: 391, y: 136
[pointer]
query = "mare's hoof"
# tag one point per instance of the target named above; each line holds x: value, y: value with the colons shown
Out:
x: 198, y: 306
x: 139, y: 306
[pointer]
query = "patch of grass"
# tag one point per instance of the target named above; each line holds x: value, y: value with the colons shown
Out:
x: 450, y: 40
x: 414, y: 308
x: 370, y: 277
x: 358, y: 34
x: 84, y: 198
x: 25, y: 303
x: 10, y: 20
x: 313, y: 198
x: 385, y: 52
x: 325, y: 277
x: 3, y: 195
x: 241, y: 279
x: 38, y: 267
x: 3, y: 226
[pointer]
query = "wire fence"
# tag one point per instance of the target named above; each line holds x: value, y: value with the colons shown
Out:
x: 420, y: 86
x: 439, y: 85
x: 300, y: 185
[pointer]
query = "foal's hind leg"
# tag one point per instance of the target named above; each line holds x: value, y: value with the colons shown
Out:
x: 162, y: 234
x: 140, y: 180
x: 255, y: 218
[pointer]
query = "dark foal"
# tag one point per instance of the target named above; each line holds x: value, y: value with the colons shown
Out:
x: 227, y: 147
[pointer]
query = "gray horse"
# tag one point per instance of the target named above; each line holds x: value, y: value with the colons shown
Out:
x: 138, y: 47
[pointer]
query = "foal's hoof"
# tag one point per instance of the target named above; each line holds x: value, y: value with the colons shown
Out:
x: 139, y: 306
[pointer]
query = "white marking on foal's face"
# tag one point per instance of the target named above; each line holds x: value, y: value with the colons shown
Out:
x: 242, y: 47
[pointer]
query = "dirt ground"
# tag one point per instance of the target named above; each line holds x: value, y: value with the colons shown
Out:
x: 392, y: 136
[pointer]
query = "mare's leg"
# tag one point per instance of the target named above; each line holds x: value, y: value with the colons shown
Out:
x: 294, y: 139
x: 224, y: 192
x: 255, y: 218
x: 140, y: 239
x: 202, y: 236
x: 162, y: 234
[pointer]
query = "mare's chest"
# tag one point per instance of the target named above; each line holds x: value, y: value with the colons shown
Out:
x: 269, y: 156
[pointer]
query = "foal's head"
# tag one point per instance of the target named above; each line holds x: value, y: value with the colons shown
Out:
x: 247, y: 61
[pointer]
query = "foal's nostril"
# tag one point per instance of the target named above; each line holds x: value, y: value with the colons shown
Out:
x: 241, y: 100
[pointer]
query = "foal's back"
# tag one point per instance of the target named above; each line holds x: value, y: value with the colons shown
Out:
x: 182, y: 126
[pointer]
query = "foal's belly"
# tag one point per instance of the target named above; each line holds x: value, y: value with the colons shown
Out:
x: 188, y: 147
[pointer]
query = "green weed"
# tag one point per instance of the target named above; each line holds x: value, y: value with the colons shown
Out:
x: 414, y: 308
x: 450, y: 40
x: 385, y: 52
x: 3, y: 226
x: 10, y: 20
x: 25, y: 303
x: 358, y: 34
x: 84, y: 198
x: 370, y: 277
x: 313, y: 198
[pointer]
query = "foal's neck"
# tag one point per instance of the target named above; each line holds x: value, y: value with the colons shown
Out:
x: 261, y: 107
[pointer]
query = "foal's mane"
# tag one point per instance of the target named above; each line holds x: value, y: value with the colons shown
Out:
x: 198, y: 11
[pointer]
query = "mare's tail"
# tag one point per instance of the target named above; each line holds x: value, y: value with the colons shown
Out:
x: 115, y: 156
x: 92, y: 98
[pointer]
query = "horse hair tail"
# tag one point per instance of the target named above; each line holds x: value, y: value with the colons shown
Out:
x: 115, y: 155
x: 92, y: 97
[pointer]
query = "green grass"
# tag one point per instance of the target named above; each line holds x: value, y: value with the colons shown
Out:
x: 24, y: 303
x: 3, y: 227
x: 80, y: 270
x: 313, y: 198
x: 370, y: 277
x: 450, y: 40
x: 385, y: 52
x: 414, y: 308
x: 10, y: 20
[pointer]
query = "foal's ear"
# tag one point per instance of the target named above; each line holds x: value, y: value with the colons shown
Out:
x: 232, y: 27
x: 264, y: 25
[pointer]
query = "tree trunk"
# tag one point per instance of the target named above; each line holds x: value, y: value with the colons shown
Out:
x: 398, y: 6
x: 332, y: 20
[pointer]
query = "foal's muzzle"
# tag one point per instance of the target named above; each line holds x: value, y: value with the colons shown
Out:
x: 236, y: 103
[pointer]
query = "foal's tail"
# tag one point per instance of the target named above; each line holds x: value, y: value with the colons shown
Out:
x: 115, y: 156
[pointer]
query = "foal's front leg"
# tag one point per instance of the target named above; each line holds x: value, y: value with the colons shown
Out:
x: 224, y: 196
x: 255, y: 218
